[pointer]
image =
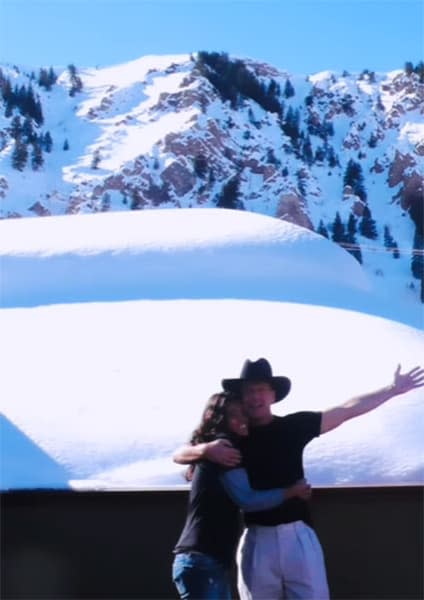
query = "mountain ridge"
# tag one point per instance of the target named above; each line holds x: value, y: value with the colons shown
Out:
x: 212, y: 130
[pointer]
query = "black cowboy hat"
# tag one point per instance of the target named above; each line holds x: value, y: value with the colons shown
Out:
x: 259, y: 370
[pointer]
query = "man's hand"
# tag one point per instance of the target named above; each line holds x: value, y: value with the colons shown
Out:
x: 409, y: 381
x: 301, y: 489
x: 360, y: 405
x: 223, y: 453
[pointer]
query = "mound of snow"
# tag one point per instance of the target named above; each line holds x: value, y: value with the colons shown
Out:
x: 185, y: 253
x: 116, y: 328
x: 98, y: 395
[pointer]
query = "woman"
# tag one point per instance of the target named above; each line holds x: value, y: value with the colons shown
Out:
x: 204, y: 553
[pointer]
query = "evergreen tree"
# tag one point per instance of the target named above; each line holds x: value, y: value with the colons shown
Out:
x: 6, y: 90
x: 352, y: 245
x: 96, y: 158
x: 37, y: 159
x: 200, y: 164
x: 347, y: 104
x: 307, y: 154
x: 419, y: 70
x: 9, y: 109
x: 271, y: 158
x: 16, y: 127
x: 367, y: 225
x: 76, y: 81
x: 29, y: 106
x: 28, y: 133
x: 328, y: 129
x: 351, y: 227
x: 47, y: 142
x: 379, y: 103
x: 136, y: 200
x: 372, y: 140
x: 301, y: 186
x: 288, y: 89
x: 52, y: 77
x: 229, y: 196
x: 290, y: 124
x: 353, y: 176
x: 44, y: 80
x: 331, y: 157
x: 319, y: 154
x: 37, y: 112
x: 388, y: 238
x: 409, y: 68
x: 322, y: 229
x: 106, y: 202
x: 273, y: 88
x: 338, y: 230
x: 19, y: 155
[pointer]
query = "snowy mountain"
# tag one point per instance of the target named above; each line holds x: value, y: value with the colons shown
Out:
x: 117, y: 327
x: 337, y: 153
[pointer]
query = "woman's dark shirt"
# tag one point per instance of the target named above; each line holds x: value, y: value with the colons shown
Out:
x: 213, y: 524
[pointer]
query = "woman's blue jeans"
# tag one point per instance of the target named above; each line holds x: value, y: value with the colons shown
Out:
x: 200, y: 577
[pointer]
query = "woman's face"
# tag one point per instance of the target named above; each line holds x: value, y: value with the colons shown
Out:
x: 236, y: 419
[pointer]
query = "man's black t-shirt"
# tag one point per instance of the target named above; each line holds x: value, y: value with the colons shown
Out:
x: 213, y: 523
x: 273, y: 457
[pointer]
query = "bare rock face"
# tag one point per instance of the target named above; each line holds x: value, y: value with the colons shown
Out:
x: 398, y: 167
x: 377, y: 167
x: 357, y: 205
x: 291, y: 208
x: 404, y: 171
x: 39, y: 210
x: 413, y: 187
x: 180, y: 179
x: 352, y: 141
x: 419, y: 148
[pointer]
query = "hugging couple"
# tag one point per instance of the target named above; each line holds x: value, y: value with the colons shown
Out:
x: 249, y: 500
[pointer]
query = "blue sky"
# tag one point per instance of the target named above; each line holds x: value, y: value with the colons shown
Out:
x: 302, y: 36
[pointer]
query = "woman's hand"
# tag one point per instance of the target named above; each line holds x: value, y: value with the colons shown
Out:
x: 301, y: 489
x: 222, y: 452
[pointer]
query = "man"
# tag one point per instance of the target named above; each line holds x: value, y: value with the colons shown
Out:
x: 279, y: 554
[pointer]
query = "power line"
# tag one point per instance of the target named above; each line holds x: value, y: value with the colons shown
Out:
x: 380, y: 248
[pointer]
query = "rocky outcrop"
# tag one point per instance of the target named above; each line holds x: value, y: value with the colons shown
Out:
x: 39, y: 210
x: 291, y: 208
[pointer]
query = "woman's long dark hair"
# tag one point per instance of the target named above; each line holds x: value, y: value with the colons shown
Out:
x: 213, y: 422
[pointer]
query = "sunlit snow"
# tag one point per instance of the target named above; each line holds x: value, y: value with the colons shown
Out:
x: 117, y: 327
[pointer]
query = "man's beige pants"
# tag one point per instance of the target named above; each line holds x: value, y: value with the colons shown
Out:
x: 281, y: 562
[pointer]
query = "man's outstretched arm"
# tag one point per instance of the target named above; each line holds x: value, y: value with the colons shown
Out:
x: 360, y: 405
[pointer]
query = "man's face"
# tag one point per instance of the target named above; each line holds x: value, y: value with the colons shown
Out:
x: 257, y: 400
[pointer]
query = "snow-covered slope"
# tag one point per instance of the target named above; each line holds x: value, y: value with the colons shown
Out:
x: 107, y: 358
x: 158, y: 133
